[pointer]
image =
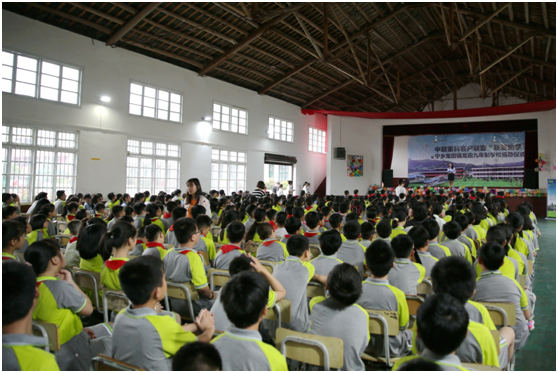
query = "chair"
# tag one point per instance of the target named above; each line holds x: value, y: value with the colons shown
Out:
x: 270, y: 266
x: 386, y: 324
x: 49, y: 332
x: 61, y: 225
x: 478, y: 244
x: 205, y: 257
x: 218, y: 277
x: 496, y: 337
x: 184, y: 291
x: 103, y: 363
x: 315, y: 250
x: 503, y: 314
x: 91, y: 281
x: 530, y: 266
x: 215, y: 232
x: 113, y: 300
x: 522, y: 279
x: 414, y: 302
x: 315, y: 289
x: 252, y: 248
x: 311, y: 349
x: 64, y: 239
x: 480, y: 367
x: 424, y: 288
x: 281, y: 312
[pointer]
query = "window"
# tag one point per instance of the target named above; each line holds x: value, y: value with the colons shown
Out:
x: 228, y: 170
x: 280, y: 129
x: 155, y: 103
x: 34, y: 77
x: 230, y: 118
x: 152, y: 166
x: 38, y: 160
x: 277, y: 173
x: 317, y: 140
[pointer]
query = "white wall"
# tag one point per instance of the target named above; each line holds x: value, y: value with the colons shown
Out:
x: 400, y: 160
x: 103, y: 131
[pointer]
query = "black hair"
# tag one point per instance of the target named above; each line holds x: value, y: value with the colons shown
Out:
x: 151, y: 213
x: 496, y: 234
x: 335, y: 221
x: 452, y: 230
x: 203, y: 221
x: 127, y: 219
x: 198, y: 193
x: 116, y: 210
x: 442, y: 323
x: 437, y: 209
x: 140, y: 277
x: 344, y: 284
x: 8, y: 211
x: 184, y: 229
x: 197, y: 356
x: 343, y: 207
x: 432, y: 227
x: 367, y: 230
x: 235, y: 231
x: 197, y: 210
x: 292, y: 225
x: 74, y: 227
x: 119, y: 234
x: 240, y: 264
x: 89, y: 239
x: 264, y: 230
x: 383, y: 228
x: 59, y: 193
x: 259, y: 217
x: 18, y: 291
x: 152, y: 232
x: 171, y: 205
x: 244, y: 297
x: 46, y: 209
x: 479, y: 211
x: 271, y: 214
x: 297, y: 245
x: 420, y: 237
x: 419, y: 365
x: 37, y: 221
x: 81, y: 214
x: 455, y: 276
x: 312, y: 219
x: 281, y: 218
x: 298, y: 212
x: 99, y: 206
x: 139, y: 208
x: 177, y: 213
x: 11, y: 230
x: 462, y: 220
x: 351, y: 230
x: 39, y: 254
x: 379, y: 258
x: 492, y: 255
x: 402, y: 246
x: 6, y: 196
x: 40, y: 203
x: 371, y: 213
x: 398, y: 216
x: 330, y: 242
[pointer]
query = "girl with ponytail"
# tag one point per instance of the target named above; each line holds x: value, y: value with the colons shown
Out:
x: 114, y: 248
x: 259, y: 218
x: 399, y: 219
x: 153, y: 216
x: 227, y: 218
x: 515, y: 220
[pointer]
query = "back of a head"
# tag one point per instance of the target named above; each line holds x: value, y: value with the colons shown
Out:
x: 379, y: 258
x: 420, y: 212
x: 492, y: 255
x: 236, y: 231
x: 371, y: 213
x: 297, y: 245
x: 383, y: 228
x: 120, y: 234
x: 496, y: 234
x: 312, y: 219
x: 330, y: 241
x: 437, y: 209
x: 74, y: 227
x: 38, y: 221
x: 240, y: 264
x: 8, y: 211
x: 292, y: 225
x: 18, y: 291
x: 152, y: 232
x: 344, y: 284
x: 420, y: 237
x: 244, y: 297
x: 335, y: 221
x: 442, y: 323
x: 11, y: 230
x: 343, y: 207
x: 351, y: 230
x: 40, y: 253
x: 367, y: 230
x: 432, y: 228
x: 178, y: 213
x: 452, y: 230
x: 89, y: 239
x: 462, y: 220
x: 402, y: 246
x: 140, y: 277
x: 198, y: 210
x: 264, y: 230
x: 197, y: 356
x: 281, y: 218
x: 455, y: 276
x: 184, y: 229
x: 203, y: 222
x: 419, y: 365
x: 298, y: 212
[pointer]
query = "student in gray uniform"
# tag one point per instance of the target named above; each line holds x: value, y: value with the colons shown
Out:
x: 141, y: 242
x: 456, y: 277
x: 336, y: 223
x: 452, y: 230
x: 250, y: 211
x: 330, y: 242
x: 167, y: 219
x: 378, y: 294
x: 351, y: 251
x: 235, y: 233
x: 177, y: 213
x: 420, y: 239
x: 367, y: 231
x: 492, y: 286
x: 312, y: 220
x: 433, y: 229
x: 139, y: 209
x: 60, y: 202
x: 470, y: 231
x: 271, y: 248
x: 117, y: 213
x: 292, y: 225
x: 197, y: 356
x: 405, y: 275
x: 144, y: 335
x: 383, y: 230
x: 338, y: 316
x: 294, y: 274
x: 442, y: 324
x: 245, y: 299
x: 326, y: 212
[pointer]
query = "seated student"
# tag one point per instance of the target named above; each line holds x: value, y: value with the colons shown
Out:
x: 378, y: 294
x: 100, y: 211
x: 197, y: 211
x: 61, y: 302
x: 235, y: 234
x: 522, y: 262
x: 197, y: 356
x: 167, y: 216
x: 351, y: 251
x: 463, y: 222
x: 455, y: 276
x: 405, y: 275
x: 88, y: 247
x: 114, y: 248
x: 49, y: 211
x: 298, y: 212
x: 8, y: 213
x: 153, y: 216
x: 252, y: 233
x: 13, y: 238
x: 509, y: 267
x: 144, y: 335
x: 518, y: 243
x: 250, y: 212
x: 442, y: 326
x: 206, y: 243
x: 326, y: 212
x: 155, y: 238
x: 420, y: 236
x: 383, y: 230
x: 344, y: 210
x: 141, y: 242
x: 271, y: 215
x: 434, y: 248
x: 312, y: 220
x: 245, y: 299
x: 294, y: 274
x: 470, y: 231
x: 452, y: 231
x: 21, y: 350
x: 492, y: 286
x: 367, y: 231
x: 39, y: 226
x: 330, y: 242
x: 22, y: 220
x: 139, y: 209
x: 117, y: 212
x: 292, y: 226
x: 71, y: 254
x: 280, y: 220
x: 480, y: 225
x: 240, y: 264
x: 271, y: 249
x: 399, y: 219
x: 338, y: 315
x: 336, y: 223
x: 177, y: 213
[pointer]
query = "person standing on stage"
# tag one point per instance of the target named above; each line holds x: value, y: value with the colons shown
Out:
x: 451, y: 175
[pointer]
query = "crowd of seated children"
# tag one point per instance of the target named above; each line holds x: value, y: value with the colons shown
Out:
x: 406, y: 275
x: 434, y: 248
x: 71, y: 254
x: 351, y: 251
x: 330, y: 242
x: 271, y: 249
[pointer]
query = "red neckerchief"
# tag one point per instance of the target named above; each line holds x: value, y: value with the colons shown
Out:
x: 73, y: 239
x: 156, y: 244
x: 288, y: 235
x: 414, y: 195
x: 139, y: 242
x: 167, y: 215
x: 154, y: 220
x: 269, y: 243
x: 115, y: 264
x: 71, y: 217
x: 376, y: 220
x: 171, y: 228
x: 355, y: 195
x: 309, y: 208
x: 272, y: 223
x: 326, y: 220
x: 310, y: 234
x: 289, y: 216
x: 99, y: 216
x: 7, y: 258
x: 472, y: 198
x: 228, y: 248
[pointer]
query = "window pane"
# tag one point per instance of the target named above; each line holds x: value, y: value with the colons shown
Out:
x: 7, y: 58
x: 69, y: 73
x: 26, y: 76
x: 148, y: 112
x: 163, y: 95
x: 175, y: 98
x: 146, y: 148
x: 25, y: 89
x: 150, y: 92
x: 49, y: 94
x: 135, y: 109
x: 46, y: 138
x: 49, y: 81
x: 6, y: 85
x: 70, y: 85
x: 161, y: 149
x: 5, y: 133
x: 50, y: 68
x: 26, y: 63
x: 175, y: 117
x: 7, y: 72
x: 136, y: 88
x: 66, y: 140
x: 22, y: 135
x: 68, y: 97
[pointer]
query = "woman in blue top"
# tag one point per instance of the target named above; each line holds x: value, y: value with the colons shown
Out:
x: 451, y: 175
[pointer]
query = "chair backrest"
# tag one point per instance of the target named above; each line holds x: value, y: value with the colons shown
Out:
x: 311, y: 349
x: 103, y: 363
x: 283, y: 307
x: 414, y: 302
x: 251, y: 248
x: 61, y: 225
x: 270, y: 266
x: 424, y: 288
x: 480, y: 367
x: 181, y: 291
x: 215, y: 231
x: 64, y: 239
x: 503, y: 314
x: 87, y: 279
x: 205, y: 257
x: 116, y: 300
x: 315, y: 289
x: 377, y: 325
x: 218, y: 277
x: 49, y: 332
x: 530, y: 265
x: 315, y: 250
x: 522, y: 279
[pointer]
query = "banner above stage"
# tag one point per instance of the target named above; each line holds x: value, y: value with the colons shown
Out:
x: 482, y: 159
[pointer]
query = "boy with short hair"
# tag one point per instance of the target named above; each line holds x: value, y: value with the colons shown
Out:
x: 336, y: 222
x: 470, y: 231
x: 271, y: 249
x: 420, y: 239
x: 438, y: 251
x: 100, y: 211
x: 117, y: 213
x: 351, y: 251
x: 177, y: 213
x: 20, y: 348
x: 156, y: 335
x: 280, y: 219
x: 463, y: 222
x: 60, y: 202
x: 139, y: 209
x: 141, y: 242
x: 197, y: 356
x: 312, y: 220
x: 338, y: 315
x: 405, y: 275
x: 367, y: 231
x: 155, y: 239
x: 292, y: 225
x: 330, y: 242
x: 250, y: 212
x: 71, y: 254
x: 13, y: 238
x: 510, y: 267
x: 206, y: 243
x: 236, y: 232
x: 452, y: 230
x: 8, y: 213
x: 383, y: 230
x: 167, y: 217
x: 378, y: 294
x: 326, y: 212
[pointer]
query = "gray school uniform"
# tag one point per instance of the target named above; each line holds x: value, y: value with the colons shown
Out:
x: 349, y: 323
x: 380, y: 295
x: 528, y: 279
x: 294, y: 275
x: 272, y: 251
x: 456, y: 247
x: 471, y: 233
x: 286, y: 238
x: 387, y: 239
x: 325, y: 263
x: 406, y: 275
x: 366, y: 243
x: 445, y: 363
x: 436, y: 250
x: 531, y: 249
x: 59, y: 206
x: 249, y: 223
x: 463, y: 239
x: 223, y: 261
x: 71, y: 255
x: 313, y: 236
x: 138, y: 250
x: 51, y: 230
x: 111, y: 223
x: 428, y: 262
x: 322, y: 229
x: 170, y: 238
x: 138, y: 222
x: 167, y: 223
x: 10, y: 361
x: 352, y: 252
x: 492, y: 286
x: 327, y: 225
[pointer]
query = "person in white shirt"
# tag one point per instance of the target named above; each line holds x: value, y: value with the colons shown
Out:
x: 401, y: 188
x: 290, y: 188
x: 279, y: 190
x: 451, y: 175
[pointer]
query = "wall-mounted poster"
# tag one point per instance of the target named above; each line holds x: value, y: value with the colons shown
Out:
x: 354, y: 165
x: 551, y: 199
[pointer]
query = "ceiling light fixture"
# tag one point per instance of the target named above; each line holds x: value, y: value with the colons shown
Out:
x: 105, y: 98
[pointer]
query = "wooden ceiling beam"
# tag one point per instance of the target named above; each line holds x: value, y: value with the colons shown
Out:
x: 98, y: 13
x: 162, y: 52
x: 137, y: 18
x: 520, y: 56
x: 218, y: 19
x: 280, y: 12
x: 72, y: 18
x: 328, y: 92
x: 314, y: 42
x: 172, y: 43
x: 510, y: 80
x: 228, y: 7
x: 287, y: 75
x: 480, y: 23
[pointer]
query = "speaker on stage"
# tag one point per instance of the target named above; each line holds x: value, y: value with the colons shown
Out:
x: 339, y: 153
x: 387, y: 178
x: 531, y: 179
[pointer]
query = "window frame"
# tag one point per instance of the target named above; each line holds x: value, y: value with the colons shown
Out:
x: 157, y: 89
x: 231, y: 107
x: 318, y: 136
x: 228, y: 162
x: 280, y: 133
